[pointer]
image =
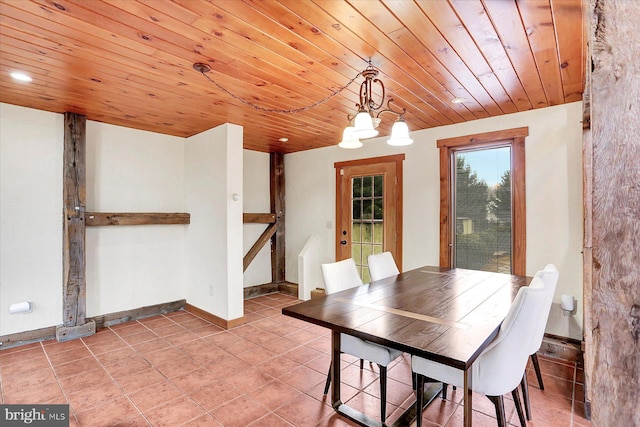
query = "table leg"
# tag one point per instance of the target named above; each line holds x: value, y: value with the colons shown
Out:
x: 468, y: 395
x: 335, y: 369
x: 407, y: 418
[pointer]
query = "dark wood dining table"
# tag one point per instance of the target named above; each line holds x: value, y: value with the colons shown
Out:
x: 449, y: 316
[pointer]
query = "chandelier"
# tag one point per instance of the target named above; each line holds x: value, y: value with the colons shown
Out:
x: 364, y: 124
x: 361, y: 126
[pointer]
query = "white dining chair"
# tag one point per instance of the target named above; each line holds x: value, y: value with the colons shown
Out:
x: 339, y: 276
x: 500, y: 367
x: 382, y: 265
x: 549, y: 275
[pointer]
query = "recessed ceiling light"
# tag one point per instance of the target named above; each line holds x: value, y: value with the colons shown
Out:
x: 283, y: 139
x: 21, y: 76
x: 458, y: 100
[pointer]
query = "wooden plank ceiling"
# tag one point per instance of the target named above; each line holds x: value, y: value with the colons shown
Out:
x: 130, y: 62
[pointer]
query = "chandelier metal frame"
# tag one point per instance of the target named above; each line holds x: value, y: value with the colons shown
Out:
x: 366, y: 96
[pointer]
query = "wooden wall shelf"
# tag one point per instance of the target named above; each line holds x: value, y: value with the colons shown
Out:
x: 259, y: 218
x: 136, y: 218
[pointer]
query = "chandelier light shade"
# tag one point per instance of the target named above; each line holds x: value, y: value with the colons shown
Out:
x: 349, y: 140
x: 400, y: 133
x: 363, y: 125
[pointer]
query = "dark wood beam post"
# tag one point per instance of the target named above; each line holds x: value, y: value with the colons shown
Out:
x: 276, y: 161
x: 74, y: 324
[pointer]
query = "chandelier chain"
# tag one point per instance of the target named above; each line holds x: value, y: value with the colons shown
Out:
x: 276, y: 110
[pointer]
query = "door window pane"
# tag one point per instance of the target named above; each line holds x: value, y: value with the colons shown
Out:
x: 367, y: 184
x: 377, y: 186
x: 367, y: 209
x: 357, y: 209
x: 378, y: 206
x: 367, y: 233
x: 482, y: 195
x: 357, y: 187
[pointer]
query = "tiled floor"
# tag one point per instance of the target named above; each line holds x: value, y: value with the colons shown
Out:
x: 177, y: 369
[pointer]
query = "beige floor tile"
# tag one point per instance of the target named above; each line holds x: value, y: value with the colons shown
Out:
x: 240, y: 412
x: 174, y: 412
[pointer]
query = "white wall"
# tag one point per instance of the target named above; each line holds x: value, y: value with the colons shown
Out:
x: 214, y: 237
x: 553, y: 185
x: 31, y: 147
x: 130, y: 170
x: 256, y: 199
x: 127, y: 267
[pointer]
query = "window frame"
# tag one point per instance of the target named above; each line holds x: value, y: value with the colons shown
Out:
x: 515, y: 138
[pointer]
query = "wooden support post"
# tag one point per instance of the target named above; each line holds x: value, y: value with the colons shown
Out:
x: 612, y: 335
x: 277, y: 207
x: 74, y: 323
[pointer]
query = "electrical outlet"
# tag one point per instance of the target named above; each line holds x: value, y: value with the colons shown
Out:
x: 211, y: 290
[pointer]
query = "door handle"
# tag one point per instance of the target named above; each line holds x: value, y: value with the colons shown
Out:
x: 343, y: 242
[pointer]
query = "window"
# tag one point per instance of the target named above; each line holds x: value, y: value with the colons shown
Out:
x: 482, y: 209
x: 482, y: 195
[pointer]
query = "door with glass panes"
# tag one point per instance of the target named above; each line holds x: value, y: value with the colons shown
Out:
x: 368, y: 211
